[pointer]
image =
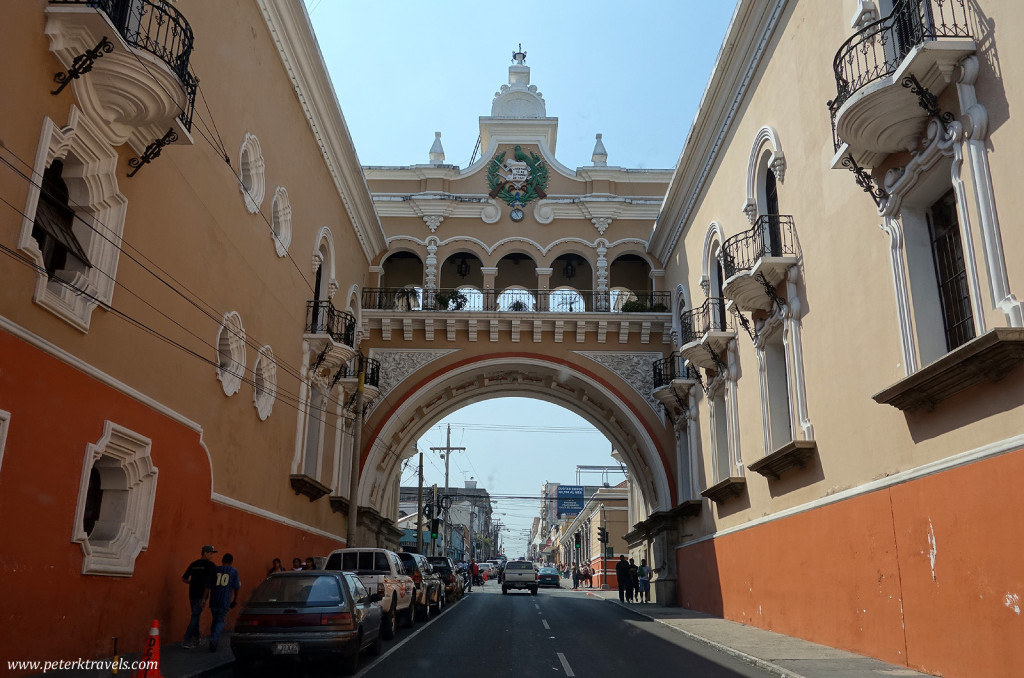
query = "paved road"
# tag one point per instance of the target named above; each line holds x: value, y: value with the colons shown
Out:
x: 554, y: 634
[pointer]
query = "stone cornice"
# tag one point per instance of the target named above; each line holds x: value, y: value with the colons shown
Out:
x: 300, y: 54
x: 558, y: 206
x: 750, y: 30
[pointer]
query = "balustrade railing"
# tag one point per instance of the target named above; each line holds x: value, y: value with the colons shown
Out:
x: 515, y: 300
x: 323, y: 318
x: 672, y: 367
x: 157, y: 27
x: 773, y: 235
x: 710, y: 316
x: 877, y: 50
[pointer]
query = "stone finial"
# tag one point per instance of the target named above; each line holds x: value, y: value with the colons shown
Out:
x: 600, y: 156
x: 436, y: 151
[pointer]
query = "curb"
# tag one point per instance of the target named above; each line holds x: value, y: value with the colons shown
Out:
x: 762, y: 664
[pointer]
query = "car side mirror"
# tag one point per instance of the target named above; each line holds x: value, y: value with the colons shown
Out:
x: 374, y: 598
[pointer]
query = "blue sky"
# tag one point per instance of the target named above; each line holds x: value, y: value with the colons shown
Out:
x: 635, y: 72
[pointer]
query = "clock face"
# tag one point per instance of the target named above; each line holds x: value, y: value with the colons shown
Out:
x: 516, y: 214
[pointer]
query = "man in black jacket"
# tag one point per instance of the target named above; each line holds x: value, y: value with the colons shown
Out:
x: 624, y: 578
x: 199, y: 577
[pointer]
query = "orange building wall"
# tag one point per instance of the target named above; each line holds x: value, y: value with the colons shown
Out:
x: 55, y: 412
x: 858, y: 574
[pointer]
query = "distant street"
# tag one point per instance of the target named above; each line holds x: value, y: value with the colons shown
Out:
x: 557, y: 632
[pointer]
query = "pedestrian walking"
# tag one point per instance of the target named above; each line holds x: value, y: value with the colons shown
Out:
x: 575, y: 577
x: 474, y: 570
x: 223, y: 596
x: 199, y: 577
x: 643, y: 574
x: 276, y: 566
x: 633, y: 582
x: 622, y: 576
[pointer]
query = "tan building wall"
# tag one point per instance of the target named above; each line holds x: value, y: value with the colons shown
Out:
x: 832, y: 531
x: 143, y: 377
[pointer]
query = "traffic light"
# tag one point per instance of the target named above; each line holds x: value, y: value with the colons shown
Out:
x: 434, y: 525
x: 602, y: 535
x: 577, y: 539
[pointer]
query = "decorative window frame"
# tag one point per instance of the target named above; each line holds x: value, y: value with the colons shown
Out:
x: 766, y: 153
x: 231, y: 338
x: 725, y: 385
x: 323, y: 255
x: 100, y: 211
x: 5, y: 424
x: 264, y: 370
x: 281, y: 221
x: 126, y: 513
x: 252, y: 171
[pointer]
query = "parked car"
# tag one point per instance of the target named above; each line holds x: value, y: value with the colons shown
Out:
x: 548, y: 576
x: 428, y: 591
x: 445, y: 569
x: 307, y: 616
x: 380, y: 571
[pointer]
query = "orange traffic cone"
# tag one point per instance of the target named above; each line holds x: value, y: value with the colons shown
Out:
x: 149, y: 666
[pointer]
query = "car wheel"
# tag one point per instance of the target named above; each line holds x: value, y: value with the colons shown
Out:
x: 409, y: 616
x: 377, y: 645
x: 244, y: 667
x: 350, y: 663
x: 424, y: 611
x: 389, y: 622
x: 504, y: 590
x: 533, y: 591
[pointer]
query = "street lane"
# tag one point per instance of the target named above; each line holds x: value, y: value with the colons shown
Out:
x: 553, y: 634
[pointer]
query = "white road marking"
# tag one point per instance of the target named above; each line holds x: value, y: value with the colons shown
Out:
x: 379, y: 659
x: 565, y: 665
x: 545, y: 623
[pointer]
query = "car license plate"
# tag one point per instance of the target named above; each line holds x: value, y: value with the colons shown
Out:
x: 286, y: 648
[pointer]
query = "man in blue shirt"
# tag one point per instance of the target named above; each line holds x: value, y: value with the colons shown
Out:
x: 223, y: 596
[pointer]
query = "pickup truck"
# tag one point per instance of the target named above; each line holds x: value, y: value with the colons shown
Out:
x: 380, y: 571
x: 519, y: 574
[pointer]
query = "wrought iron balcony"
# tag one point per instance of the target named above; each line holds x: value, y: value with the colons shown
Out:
x: 876, y: 110
x: 673, y: 379
x: 753, y: 258
x: 705, y: 333
x: 115, y: 38
x: 331, y: 334
x: 515, y: 300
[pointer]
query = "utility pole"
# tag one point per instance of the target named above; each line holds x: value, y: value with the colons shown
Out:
x: 447, y: 451
x: 419, y: 510
x: 357, y: 431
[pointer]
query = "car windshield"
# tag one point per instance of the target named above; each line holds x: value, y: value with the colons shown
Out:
x: 519, y: 566
x: 548, y: 570
x: 311, y: 591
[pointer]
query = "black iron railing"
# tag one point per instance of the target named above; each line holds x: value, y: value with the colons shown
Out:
x: 877, y: 50
x: 323, y: 318
x: 516, y: 300
x: 773, y: 235
x: 708, y: 317
x: 672, y: 367
x: 158, y: 28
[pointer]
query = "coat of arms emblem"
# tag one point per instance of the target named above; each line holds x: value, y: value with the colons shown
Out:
x: 519, y: 179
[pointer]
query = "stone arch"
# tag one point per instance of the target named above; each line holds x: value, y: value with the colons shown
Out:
x: 713, y: 239
x: 766, y: 153
x: 415, y: 407
x: 323, y: 255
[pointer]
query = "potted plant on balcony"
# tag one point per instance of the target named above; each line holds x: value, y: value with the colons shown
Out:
x: 406, y: 298
x: 634, y: 306
x: 454, y: 300
x: 518, y: 306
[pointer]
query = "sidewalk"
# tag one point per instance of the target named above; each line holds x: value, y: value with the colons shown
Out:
x: 775, y: 653
x: 175, y: 661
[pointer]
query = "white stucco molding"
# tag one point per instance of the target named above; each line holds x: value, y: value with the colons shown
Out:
x: 766, y: 136
x: 750, y: 32
x: 292, y: 32
x: 711, y: 236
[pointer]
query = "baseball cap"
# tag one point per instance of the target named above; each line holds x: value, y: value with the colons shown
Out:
x: 209, y: 549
